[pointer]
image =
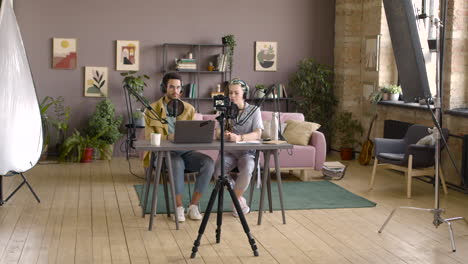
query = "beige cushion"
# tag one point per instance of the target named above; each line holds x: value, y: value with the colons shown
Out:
x: 299, y: 132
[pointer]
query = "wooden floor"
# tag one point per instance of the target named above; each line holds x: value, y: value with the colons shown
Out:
x: 89, y: 213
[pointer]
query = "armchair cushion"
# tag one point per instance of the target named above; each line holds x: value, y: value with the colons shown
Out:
x: 392, y: 156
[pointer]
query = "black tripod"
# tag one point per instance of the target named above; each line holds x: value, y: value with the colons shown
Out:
x: 222, y: 182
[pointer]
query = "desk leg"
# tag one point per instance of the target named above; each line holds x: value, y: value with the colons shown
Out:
x: 280, y: 184
x: 166, y: 190
x: 155, y: 191
x: 254, y: 176
x: 266, y: 171
x: 145, y: 193
x: 270, y: 203
x: 171, y: 179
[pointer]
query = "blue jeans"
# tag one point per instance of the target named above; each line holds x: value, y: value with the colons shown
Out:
x: 191, y: 161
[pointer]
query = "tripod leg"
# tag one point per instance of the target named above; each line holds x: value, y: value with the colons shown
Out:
x: 1, y: 190
x: 242, y: 219
x: 30, y: 188
x: 388, y: 219
x: 452, y: 241
x: 206, y: 216
x: 219, y: 219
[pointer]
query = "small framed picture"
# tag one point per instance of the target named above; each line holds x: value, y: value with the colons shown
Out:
x: 64, y: 53
x: 127, y: 55
x: 95, y: 82
x: 372, y: 48
x: 266, y: 56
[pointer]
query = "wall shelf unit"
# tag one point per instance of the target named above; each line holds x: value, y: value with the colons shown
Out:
x: 205, y: 81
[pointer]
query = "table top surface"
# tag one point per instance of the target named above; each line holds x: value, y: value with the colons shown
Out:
x: 215, y: 145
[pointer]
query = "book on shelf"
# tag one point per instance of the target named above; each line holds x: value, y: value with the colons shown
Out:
x: 193, y: 90
x: 187, y: 61
x: 221, y: 62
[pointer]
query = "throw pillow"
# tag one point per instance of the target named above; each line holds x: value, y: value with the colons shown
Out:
x: 299, y: 132
x: 428, y: 140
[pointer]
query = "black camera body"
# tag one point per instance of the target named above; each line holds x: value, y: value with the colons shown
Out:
x: 223, y: 104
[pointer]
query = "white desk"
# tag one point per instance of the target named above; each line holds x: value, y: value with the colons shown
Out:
x: 166, y: 147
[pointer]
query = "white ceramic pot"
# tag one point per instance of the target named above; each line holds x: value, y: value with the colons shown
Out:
x: 394, y: 97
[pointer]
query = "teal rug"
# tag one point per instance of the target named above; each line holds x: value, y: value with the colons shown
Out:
x: 297, y: 196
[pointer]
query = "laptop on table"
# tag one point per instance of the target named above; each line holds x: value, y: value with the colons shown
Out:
x: 194, y: 131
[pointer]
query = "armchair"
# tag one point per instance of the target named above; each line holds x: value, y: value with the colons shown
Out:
x: 406, y: 156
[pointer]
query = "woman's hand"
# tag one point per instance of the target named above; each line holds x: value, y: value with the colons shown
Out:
x: 229, y: 136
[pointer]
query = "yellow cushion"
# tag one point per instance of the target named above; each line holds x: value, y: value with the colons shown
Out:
x: 299, y: 132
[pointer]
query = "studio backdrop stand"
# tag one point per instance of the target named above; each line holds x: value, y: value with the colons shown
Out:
x: 397, y: 22
x: 25, y: 181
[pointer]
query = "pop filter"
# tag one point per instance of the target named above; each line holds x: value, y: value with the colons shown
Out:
x: 408, y: 50
x: 175, y: 108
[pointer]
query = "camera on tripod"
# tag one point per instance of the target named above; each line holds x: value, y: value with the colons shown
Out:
x: 223, y: 104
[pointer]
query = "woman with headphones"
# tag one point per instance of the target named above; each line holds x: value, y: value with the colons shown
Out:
x: 244, y: 160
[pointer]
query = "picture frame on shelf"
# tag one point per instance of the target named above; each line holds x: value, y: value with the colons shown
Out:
x: 96, y: 81
x: 372, y: 53
x: 64, y: 55
x: 127, y: 55
x: 266, y: 56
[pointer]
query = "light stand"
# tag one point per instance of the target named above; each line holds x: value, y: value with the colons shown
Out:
x: 222, y: 182
x: 437, y: 117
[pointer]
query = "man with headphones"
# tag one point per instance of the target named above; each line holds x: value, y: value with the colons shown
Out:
x: 171, y: 87
x: 244, y: 160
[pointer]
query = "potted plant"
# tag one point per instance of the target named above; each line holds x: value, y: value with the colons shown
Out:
x: 80, y: 148
x: 44, y: 105
x: 313, y: 86
x: 230, y: 42
x: 104, y: 119
x: 60, y: 122
x: 348, y: 132
x: 134, y: 82
x: 395, y: 91
x: 139, y: 117
x: 259, y: 91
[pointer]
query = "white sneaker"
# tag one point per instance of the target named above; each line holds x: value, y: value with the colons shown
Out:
x: 193, y: 212
x: 180, y: 211
x: 243, y: 204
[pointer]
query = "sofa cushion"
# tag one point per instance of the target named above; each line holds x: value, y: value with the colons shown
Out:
x: 299, y: 132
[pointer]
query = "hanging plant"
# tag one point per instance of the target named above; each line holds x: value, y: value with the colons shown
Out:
x: 230, y: 43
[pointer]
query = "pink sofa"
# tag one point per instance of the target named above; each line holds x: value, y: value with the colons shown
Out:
x: 307, y: 159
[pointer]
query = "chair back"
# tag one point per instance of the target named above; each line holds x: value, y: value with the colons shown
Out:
x: 416, y: 132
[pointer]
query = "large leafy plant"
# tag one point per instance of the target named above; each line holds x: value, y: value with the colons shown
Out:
x: 348, y: 131
x: 312, y: 84
x: 133, y: 81
x: 72, y: 148
x: 104, y: 119
x: 59, y: 120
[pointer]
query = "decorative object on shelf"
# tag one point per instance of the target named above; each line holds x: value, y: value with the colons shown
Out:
x: 266, y: 56
x: 210, y: 66
x: 64, y: 53
x: 230, y: 42
x: 139, y: 117
x: 104, y: 119
x: 128, y: 55
x: 372, y: 48
x: 134, y: 81
x: 348, y: 132
x: 395, y: 91
x: 312, y: 83
x: 95, y: 84
x: 260, y: 91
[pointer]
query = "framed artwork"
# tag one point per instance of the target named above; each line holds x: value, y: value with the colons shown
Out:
x: 64, y: 53
x: 266, y: 56
x: 95, y: 82
x: 372, y: 48
x: 128, y: 55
